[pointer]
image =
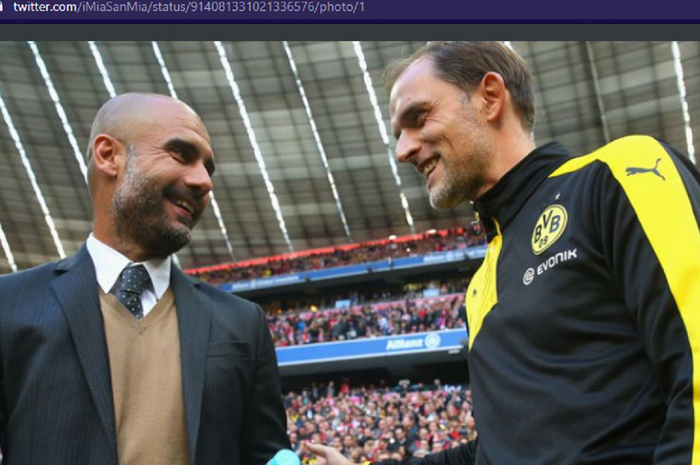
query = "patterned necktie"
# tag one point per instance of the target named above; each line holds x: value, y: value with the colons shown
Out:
x: 130, y: 285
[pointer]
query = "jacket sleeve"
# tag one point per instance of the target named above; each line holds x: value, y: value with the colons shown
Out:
x: 465, y: 454
x: 650, y: 236
x: 265, y: 428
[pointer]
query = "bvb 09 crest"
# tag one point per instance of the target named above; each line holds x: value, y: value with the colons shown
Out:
x: 550, y: 226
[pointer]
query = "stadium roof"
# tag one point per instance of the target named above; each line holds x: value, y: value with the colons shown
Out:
x: 300, y: 132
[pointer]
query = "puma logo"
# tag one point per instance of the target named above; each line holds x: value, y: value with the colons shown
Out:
x: 634, y: 170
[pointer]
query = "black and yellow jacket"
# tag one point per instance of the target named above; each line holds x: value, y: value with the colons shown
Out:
x: 584, y: 319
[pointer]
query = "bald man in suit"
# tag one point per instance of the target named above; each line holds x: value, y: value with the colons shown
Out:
x: 113, y: 356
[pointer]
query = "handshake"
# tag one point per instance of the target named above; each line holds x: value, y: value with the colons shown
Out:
x: 326, y: 456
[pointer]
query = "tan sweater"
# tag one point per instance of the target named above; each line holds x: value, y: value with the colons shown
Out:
x: 144, y: 358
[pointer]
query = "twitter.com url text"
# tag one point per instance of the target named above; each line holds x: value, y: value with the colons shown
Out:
x: 256, y: 6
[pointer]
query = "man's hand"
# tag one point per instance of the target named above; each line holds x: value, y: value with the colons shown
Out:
x: 326, y: 455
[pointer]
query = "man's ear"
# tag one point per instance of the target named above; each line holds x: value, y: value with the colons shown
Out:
x: 494, y: 95
x: 107, y: 154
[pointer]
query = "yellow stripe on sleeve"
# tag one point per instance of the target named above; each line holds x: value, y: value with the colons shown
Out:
x: 482, y: 293
x: 666, y: 215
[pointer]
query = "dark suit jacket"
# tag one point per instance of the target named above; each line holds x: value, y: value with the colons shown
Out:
x: 56, y: 404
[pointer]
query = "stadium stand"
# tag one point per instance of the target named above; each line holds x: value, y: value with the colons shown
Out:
x: 317, y: 259
x: 346, y: 345
x: 369, y: 320
x: 373, y: 423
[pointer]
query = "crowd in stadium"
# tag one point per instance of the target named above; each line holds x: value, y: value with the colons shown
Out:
x: 371, y: 423
x: 375, y: 423
x: 369, y: 320
x: 453, y: 239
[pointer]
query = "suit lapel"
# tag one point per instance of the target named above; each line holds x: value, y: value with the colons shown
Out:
x: 76, y: 287
x: 194, y: 320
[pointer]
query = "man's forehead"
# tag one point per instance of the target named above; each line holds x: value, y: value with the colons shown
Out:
x: 173, y: 110
x: 139, y: 117
x: 174, y: 118
x: 410, y: 83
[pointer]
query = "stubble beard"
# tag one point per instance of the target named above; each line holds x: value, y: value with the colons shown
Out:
x: 140, y: 218
x: 462, y: 179
x: 463, y: 173
x: 460, y: 182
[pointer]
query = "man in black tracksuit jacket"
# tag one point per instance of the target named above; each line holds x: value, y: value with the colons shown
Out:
x: 584, y: 319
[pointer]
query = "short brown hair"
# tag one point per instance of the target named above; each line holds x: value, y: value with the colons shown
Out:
x: 465, y: 64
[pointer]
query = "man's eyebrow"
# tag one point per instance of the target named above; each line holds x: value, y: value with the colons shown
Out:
x: 189, y: 152
x: 184, y: 147
x: 408, y: 115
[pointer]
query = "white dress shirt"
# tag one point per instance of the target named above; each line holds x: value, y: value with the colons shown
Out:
x: 109, y: 264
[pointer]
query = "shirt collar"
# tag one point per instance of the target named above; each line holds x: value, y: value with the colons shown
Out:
x: 109, y: 264
x: 503, y: 201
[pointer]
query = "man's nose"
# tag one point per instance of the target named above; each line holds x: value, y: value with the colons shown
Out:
x: 407, y: 146
x: 199, y: 177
